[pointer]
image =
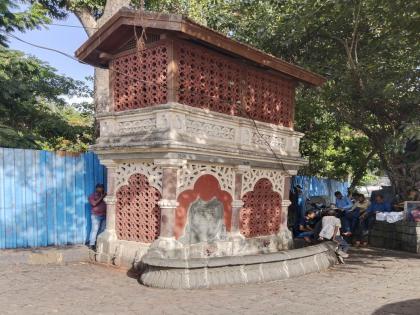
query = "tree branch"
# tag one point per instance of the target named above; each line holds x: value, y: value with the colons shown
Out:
x: 85, y: 17
x: 112, y: 7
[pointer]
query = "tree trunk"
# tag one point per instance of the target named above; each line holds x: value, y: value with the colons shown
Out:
x: 358, y: 175
x: 101, y: 76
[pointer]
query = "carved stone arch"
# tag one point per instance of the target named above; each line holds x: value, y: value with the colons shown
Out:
x: 207, y: 188
x: 190, y: 173
x: 252, y: 176
x: 261, y: 213
x: 152, y: 172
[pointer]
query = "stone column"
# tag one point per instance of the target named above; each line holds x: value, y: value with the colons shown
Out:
x: 237, y: 202
x: 285, y: 201
x: 168, y: 203
x: 284, y: 232
x: 109, y: 235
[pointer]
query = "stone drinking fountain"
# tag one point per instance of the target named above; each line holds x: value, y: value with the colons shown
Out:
x: 197, y: 137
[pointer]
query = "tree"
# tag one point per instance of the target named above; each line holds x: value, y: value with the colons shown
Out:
x: 368, y: 50
x: 36, y: 14
x: 33, y: 113
x: 333, y: 149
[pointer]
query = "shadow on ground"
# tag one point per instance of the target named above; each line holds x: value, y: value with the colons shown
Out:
x: 409, y: 307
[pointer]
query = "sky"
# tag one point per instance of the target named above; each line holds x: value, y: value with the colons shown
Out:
x: 66, y: 39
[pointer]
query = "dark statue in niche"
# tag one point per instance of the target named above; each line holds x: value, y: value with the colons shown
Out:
x: 205, y: 222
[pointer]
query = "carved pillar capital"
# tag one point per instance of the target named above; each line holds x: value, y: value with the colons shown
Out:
x: 110, y: 200
x: 170, y: 163
x: 168, y: 203
x: 109, y: 164
x: 237, y: 204
x: 240, y: 169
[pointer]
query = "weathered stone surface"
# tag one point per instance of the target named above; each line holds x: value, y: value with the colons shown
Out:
x: 212, y: 272
x: 205, y: 222
x: 399, y: 235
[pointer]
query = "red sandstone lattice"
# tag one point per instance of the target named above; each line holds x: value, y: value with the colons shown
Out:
x: 207, y: 80
x: 212, y: 81
x: 149, y: 66
x: 137, y: 210
x: 261, y: 213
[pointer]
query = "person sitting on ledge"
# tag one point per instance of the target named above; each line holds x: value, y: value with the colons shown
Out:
x: 304, y: 229
x: 331, y: 231
x: 344, y: 205
x: 368, y: 218
x: 360, y: 235
x: 379, y: 205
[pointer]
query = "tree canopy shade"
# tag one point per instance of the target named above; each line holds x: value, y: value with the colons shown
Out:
x: 369, y: 50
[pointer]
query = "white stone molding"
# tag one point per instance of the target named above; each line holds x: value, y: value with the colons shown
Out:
x: 190, y: 172
x: 197, y: 127
x: 251, y: 177
x: 110, y: 200
x: 151, y: 171
x: 165, y: 120
x: 168, y: 203
x: 277, y: 143
x: 240, y: 169
x: 128, y: 127
x: 237, y: 203
x: 285, y: 204
x: 169, y: 163
x: 210, y: 129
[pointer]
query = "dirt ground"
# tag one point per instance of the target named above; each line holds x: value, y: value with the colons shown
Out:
x: 371, y: 282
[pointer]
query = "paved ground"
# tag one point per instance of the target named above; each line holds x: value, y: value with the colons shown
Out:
x: 372, y: 282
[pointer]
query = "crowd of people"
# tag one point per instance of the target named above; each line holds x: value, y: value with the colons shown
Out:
x: 348, y: 220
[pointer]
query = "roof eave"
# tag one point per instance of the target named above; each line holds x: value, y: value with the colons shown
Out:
x: 190, y: 28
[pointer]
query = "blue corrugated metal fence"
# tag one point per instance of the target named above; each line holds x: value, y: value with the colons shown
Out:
x: 314, y: 186
x: 43, y: 197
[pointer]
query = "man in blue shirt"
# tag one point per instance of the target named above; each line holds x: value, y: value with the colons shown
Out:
x: 345, y: 205
x: 379, y: 205
x: 369, y: 217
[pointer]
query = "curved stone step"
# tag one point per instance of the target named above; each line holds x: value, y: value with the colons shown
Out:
x: 217, y: 271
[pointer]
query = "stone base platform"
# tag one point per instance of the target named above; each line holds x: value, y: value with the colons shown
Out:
x: 217, y: 271
x: 400, y: 236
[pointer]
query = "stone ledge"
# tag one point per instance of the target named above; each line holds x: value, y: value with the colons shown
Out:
x: 207, y: 273
x: 237, y: 260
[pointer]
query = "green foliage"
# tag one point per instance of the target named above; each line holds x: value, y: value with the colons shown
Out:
x: 33, y: 113
x: 368, y: 50
x: 333, y: 149
x: 34, y: 15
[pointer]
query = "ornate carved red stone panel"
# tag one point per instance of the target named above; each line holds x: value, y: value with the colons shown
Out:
x: 140, y: 78
x: 205, y: 79
x: 210, y: 80
x: 261, y: 212
x: 205, y: 188
x: 137, y: 210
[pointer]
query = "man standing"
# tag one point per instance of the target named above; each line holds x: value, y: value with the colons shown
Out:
x: 98, y: 214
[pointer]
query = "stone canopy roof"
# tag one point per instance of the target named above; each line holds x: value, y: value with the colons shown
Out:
x: 100, y: 48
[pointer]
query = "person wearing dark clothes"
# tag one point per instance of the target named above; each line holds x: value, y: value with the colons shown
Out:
x: 369, y: 217
x: 98, y: 214
x: 304, y: 229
